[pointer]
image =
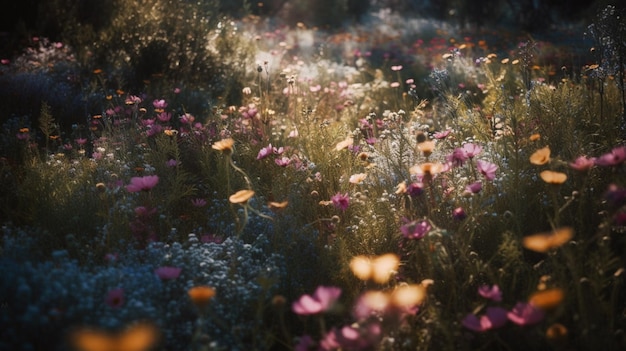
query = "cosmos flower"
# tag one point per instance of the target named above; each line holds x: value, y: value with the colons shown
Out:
x: 415, y: 229
x: 615, y: 157
x: 494, y: 317
x: 144, y: 183
x: 472, y: 150
x: 322, y: 300
x: 490, y: 292
x: 524, y: 313
x: 583, y: 163
x: 487, y: 169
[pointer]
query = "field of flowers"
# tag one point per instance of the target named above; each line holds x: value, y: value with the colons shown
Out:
x: 240, y: 185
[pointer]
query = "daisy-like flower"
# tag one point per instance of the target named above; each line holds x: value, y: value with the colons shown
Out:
x: 224, y: 145
x: 357, y: 178
x: 487, y: 169
x: 144, y: 183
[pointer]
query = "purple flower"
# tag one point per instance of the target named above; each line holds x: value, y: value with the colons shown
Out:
x: 305, y: 343
x: 525, y: 314
x: 415, y: 229
x: 415, y: 189
x: 164, y: 117
x: 171, y: 163
x: 615, y: 196
x: 494, y: 317
x: 490, y: 292
x: 487, y: 169
x: 615, y: 157
x: 167, y: 273
x: 340, y: 201
x: 198, y: 202
x: 472, y: 150
x: 474, y: 188
x: 145, y: 183
x: 457, y: 158
x: 322, y: 300
x: 283, y: 161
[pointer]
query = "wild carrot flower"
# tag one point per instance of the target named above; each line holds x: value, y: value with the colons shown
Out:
x: 615, y: 157
x: 541, y: 156
x: 167, y: 273
x: 525, y: 313
x: 490, y: 292
x: 115, y: 298
x: 487, y: 169
x: 340, y: 201
x: 494, y: 317
x: 144, y: 183
x: 322, y: 300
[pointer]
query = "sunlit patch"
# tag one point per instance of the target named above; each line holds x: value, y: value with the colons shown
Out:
x: 378, y: 269
x: 544, y: 242
x: 547, y: 299
x: 138, y: 337
x: 552, y: 177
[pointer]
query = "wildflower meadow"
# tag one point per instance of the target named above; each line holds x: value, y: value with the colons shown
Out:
x: 331, y: 175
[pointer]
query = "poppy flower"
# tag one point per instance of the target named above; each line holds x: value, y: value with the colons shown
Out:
x: 144, y: 183
x: 541, y: 156
x: 241, y: 197
x: 547, y: 299
x: 544, y: 242
x: 552, y: 177
x: 201, y: 295
x: 378, y: 269
x: 322, y: 300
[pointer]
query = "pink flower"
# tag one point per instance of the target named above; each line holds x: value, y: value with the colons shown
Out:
x: 525, y: 314
x: 415, y: 189
x: 171, y: 163
x: 474, y: 188
x: 415, y: 229
x: 490, y: 292
x: 494, y: 317
x: 441, y: 135
x: 583, y: 163
x: 457, y: 158
x: 115, y: 298
x: 198, y: 202
x: 283, y: 161
x: 167, y: 273
x: 81, y: 141
x: 145, y: 183
x: 305, y: 343
x: 615, y: 157
x: 322, y: 300
x: 459, y: 214
x: 472, y: 149
x: 160, y: 104
x: 340, y: 201
x: 164, y: 117
x: 264, y: 152
x: 487, y: 169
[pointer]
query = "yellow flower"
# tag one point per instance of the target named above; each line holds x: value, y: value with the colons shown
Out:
x: 541, y: 156
x: 224, y: 145
x: 552, y: 177
x: 544, y: 242
x: 241, y: 197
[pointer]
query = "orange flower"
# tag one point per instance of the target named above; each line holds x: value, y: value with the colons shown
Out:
x: 552, y: 177
x: 426, y: 147
x: 535, y: 137
x: 544, y: 242
x: 201, y: 295
x: 224, y: 145
x: 427, y: 169
x: 139, y: 337
x: 407, y: 296
x: 378, y: 269
x: 277, y: 206
x: 557, y: 334
x: 547, y: 299
x: 241, y: 197
x: 541, y: 156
